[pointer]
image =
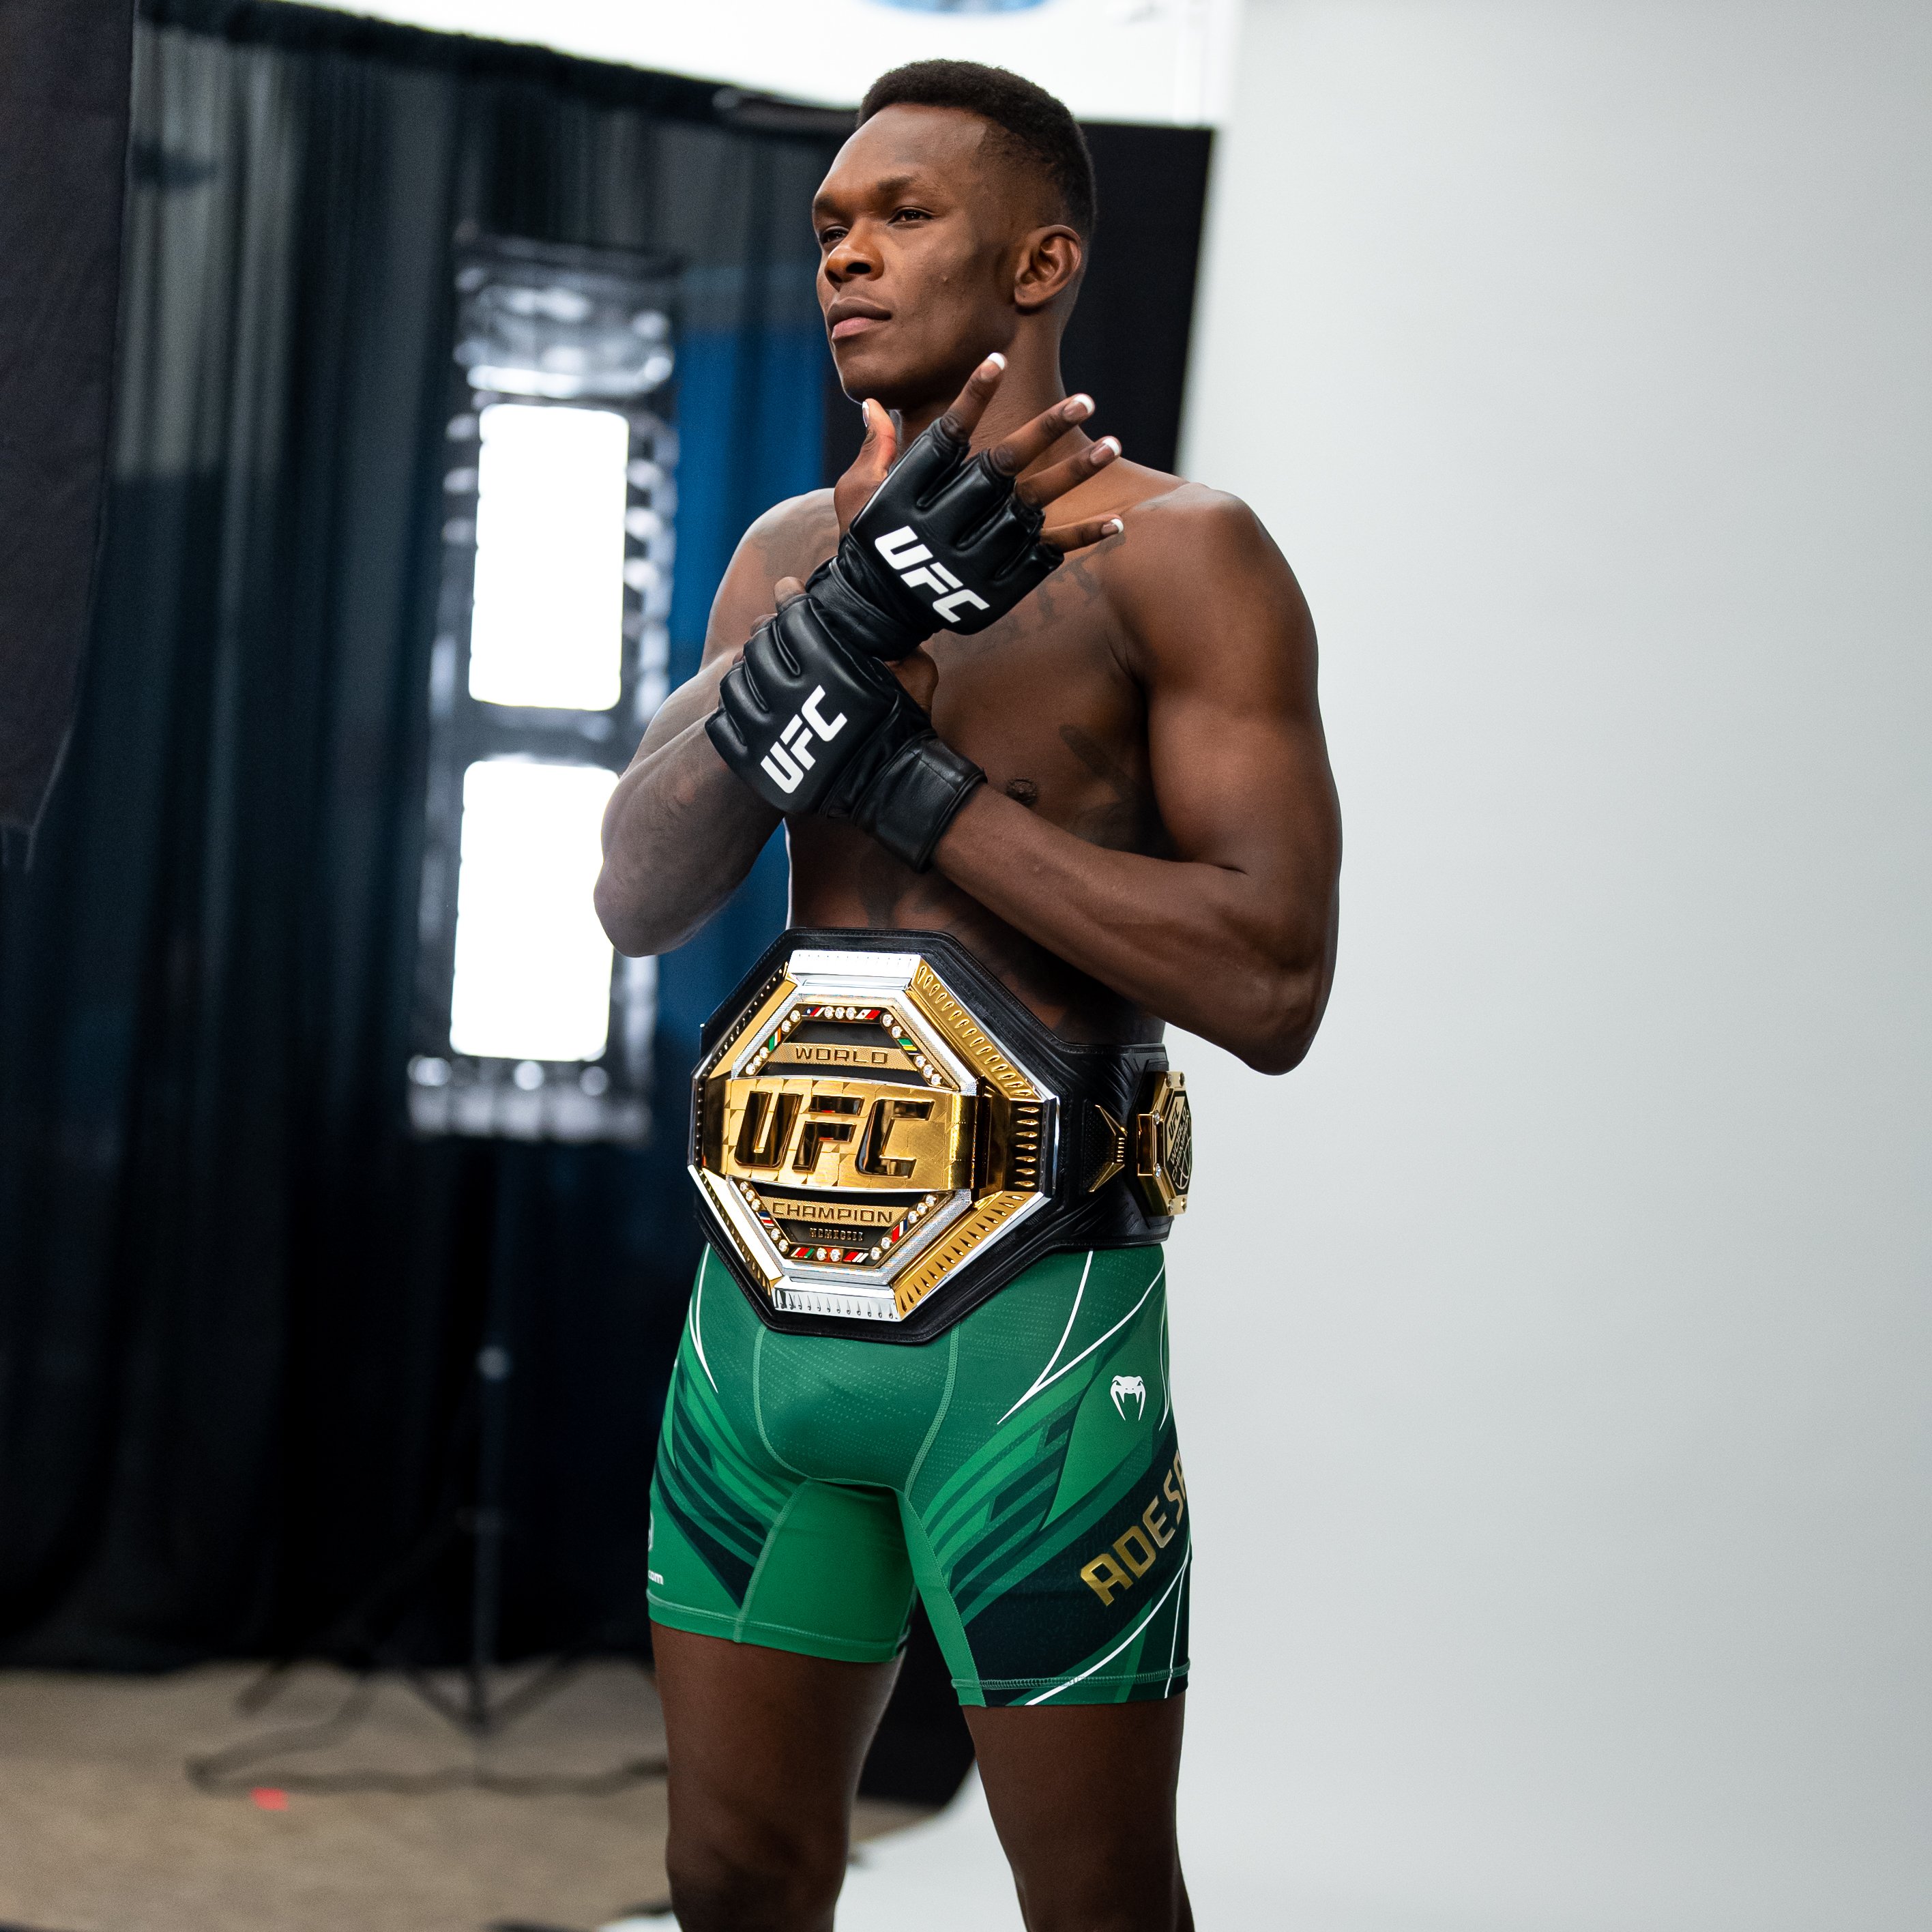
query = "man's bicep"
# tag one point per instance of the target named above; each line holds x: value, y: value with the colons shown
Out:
x: 768, y: 550
x: 744, y: 598
x: 1242, y: 782
x: 1241, y: 766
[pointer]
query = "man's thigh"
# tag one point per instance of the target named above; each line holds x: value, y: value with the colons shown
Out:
x: 766, y: 1747
x: 762, y: 1734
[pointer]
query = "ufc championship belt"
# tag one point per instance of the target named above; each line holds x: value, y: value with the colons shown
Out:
x: 882, y: 1136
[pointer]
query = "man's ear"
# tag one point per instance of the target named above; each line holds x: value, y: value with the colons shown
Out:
x: 1048, y: 267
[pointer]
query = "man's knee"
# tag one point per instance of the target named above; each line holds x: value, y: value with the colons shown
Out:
x: 748, y: 1885
x: 1141, y: 1893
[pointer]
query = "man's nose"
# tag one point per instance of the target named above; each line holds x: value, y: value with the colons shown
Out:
x: 850, y: 258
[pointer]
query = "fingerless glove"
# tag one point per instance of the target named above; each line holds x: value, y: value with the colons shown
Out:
x: 813, y: 727
x: 944, y: 545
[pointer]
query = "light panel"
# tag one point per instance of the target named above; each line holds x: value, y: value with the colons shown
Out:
x: 546, y: 619
x: 532, y: 965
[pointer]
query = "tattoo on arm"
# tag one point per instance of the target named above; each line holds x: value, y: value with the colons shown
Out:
x: 1132, y: 823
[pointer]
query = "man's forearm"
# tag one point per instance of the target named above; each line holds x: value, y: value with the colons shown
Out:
x: 1200, y: 946
x: 679, y: 835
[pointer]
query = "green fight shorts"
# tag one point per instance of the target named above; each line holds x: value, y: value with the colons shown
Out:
x: 1020, y: 1471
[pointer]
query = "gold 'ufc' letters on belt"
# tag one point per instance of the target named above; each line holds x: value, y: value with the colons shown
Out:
x: 845, y: 1134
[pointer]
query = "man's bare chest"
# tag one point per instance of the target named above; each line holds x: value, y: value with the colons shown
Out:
x: 1044, y: 702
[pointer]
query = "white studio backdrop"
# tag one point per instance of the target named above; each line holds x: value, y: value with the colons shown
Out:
x: 1561, y: 1506
x: 1149, y: 61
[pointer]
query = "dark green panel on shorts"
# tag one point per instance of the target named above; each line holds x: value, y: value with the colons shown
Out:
x: 1056, y: 1610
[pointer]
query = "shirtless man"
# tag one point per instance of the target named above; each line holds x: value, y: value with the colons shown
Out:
x: 1155, y: 840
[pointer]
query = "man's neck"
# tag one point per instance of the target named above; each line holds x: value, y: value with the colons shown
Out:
x: 1032, y: 383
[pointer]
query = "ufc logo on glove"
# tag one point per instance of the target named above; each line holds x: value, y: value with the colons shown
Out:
x: 789, y: 758
x: 944, y: 519
x: 901, y: 549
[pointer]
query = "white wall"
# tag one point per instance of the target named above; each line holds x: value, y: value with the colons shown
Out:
x: 1562, y: 1507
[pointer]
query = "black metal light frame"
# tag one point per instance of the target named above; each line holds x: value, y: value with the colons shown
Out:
x: 607, y: 1099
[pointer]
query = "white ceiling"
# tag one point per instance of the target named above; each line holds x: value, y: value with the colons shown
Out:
x: 1157, y: 61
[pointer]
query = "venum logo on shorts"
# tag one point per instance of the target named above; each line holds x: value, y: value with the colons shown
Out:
x: 903, y: 551
x: 1129, y: 1385
x: 1137, y: 1549
x: 790, y: 758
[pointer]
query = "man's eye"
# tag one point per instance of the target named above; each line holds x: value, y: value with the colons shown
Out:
x: 828, y: 238
x: 910, y: 215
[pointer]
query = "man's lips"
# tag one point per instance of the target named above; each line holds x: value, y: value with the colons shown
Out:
x: 855, y: 323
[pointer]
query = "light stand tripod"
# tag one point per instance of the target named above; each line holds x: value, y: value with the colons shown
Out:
x: 480, y: 1711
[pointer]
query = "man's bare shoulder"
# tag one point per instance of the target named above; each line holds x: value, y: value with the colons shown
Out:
x: 1188, y: 552
x: 795, y: 537
x: 1176, y: 518
x: 791, y: 539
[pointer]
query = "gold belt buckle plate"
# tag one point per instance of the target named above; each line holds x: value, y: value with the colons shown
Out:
x: 860, y: 1133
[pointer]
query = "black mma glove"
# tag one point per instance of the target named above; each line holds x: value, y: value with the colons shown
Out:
x: 812, y: 726
x: 943, y: 545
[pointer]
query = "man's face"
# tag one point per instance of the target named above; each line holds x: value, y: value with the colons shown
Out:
x: 917, y: 228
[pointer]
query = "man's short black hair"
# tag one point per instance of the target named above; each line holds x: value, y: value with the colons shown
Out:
x: 1038, y: 129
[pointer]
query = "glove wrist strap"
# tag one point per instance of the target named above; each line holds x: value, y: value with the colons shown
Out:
x: 852, y: 617
x: 916, y: 795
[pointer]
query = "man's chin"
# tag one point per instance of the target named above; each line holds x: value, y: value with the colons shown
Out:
x: 866, y: 371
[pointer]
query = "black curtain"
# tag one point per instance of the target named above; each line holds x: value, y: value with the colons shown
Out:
x: 1126, y: 343
x: 239, y: 1304
x: 63, y: 157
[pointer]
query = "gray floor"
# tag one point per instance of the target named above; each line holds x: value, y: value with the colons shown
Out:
x: 101, y: 1831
